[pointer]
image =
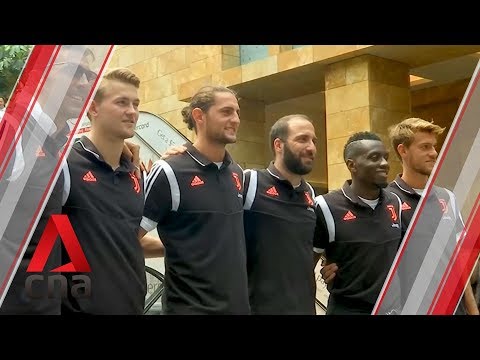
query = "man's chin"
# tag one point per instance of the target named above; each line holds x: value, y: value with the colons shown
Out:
x: 382, y: 184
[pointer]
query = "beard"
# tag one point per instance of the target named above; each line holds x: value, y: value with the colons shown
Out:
x: 294, y: 163
x: 220, y: 138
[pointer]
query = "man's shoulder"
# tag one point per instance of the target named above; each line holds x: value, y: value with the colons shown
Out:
x: 392, y: 194
x: 333, y: 197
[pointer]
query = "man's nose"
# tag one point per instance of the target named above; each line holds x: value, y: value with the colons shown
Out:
x: 311, y: 147
x: 384, y: 163
x: 236, y: 119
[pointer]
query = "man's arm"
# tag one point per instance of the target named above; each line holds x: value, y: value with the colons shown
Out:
x: 469, y: 301
x: 158, y: 203
x: 152, y: 246
x: 132, y: 151
x: 322, y: 240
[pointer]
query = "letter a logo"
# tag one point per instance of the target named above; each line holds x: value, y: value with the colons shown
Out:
x: 59, y: 225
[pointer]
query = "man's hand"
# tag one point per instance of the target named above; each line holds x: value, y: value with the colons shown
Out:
x: 132, y: 151
x: 174, y: 150
x: 328, y: 273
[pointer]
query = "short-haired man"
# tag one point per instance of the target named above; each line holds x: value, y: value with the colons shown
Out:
x: 414, y: 141
x: 359, y: 227
x: 104, y: 202
x: 280, y: 223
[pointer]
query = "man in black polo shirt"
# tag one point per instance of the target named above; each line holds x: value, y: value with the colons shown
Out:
x: 104, y: 202
x: 414, y: 141
x: 359, y: 227
x: 195, y: 200
x: 280, y: 223
x: 53, y: 127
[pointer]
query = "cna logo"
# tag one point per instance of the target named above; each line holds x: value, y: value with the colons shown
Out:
x: 59, y: 225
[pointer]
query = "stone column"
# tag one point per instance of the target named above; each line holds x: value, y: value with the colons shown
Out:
x: 366, y: 93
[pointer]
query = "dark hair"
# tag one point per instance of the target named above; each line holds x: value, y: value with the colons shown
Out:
x: 280, y: 129
x: 203, y: 99
x: 351, y: 147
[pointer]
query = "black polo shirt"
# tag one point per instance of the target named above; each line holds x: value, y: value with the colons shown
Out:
x: 362, y: 241
x: 279, y: 226
x: 197, y: 208
x: 45, y: 159
x: 440, y: 206
x: 105, y: 207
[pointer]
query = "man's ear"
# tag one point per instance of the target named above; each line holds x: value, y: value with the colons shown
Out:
x: 93, y: 110
x: 402, y: 150
x: 197, y: 115
x: 277, y: 145
x: 351, y: 165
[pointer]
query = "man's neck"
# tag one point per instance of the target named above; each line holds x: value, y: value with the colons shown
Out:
x: 110, y: 148
x: 294, y: 179
x: 367, y: 192
x: 212, y: 151
x: 414, y: 179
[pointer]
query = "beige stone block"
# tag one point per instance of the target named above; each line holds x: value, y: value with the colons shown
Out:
x: 130, y: 55
x: 395, y: 166
x: 337, y: 175
x: 187, y: 90
x: 252, y: 110
x: 199, y: 52
x: 356, y: 70
x: 399, y: 100
x: 141, y: 93
x: 389, y: 72
x: 335, y: 75
x: 125, y: 56
x: 151, y: 107
x: 181, y: 77
x: 251, y: 131
x: 145, y: 70
x: 273, y: 50
x: 228, y: 77
x: 295, y: 58
x: 169, y: 103
x: 347, y: 97
x: 174, y: 118
x: 232, y: 50
x: 156, y: 50
x: 159, y: 88
x: 206, y: 66
x: 171, y: 61
x: 245, y: 151
x: 229, y: 61
x: 346, y: 123
x: 322, y: 52
x: 189, y: 134
x: 335, y: 150
x: 285, y: 48
x: 259, y: 68
x: 113, y: 60
x: 389, y: 97
x: 382, y: 119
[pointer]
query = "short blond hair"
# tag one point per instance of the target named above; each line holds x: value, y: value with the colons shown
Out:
x: 123, y: 75
x: 404, y: 132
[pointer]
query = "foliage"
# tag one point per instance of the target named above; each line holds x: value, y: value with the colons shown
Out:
x: 12, y: 59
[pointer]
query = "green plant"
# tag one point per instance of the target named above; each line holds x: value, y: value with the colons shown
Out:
x: 12, y: 59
